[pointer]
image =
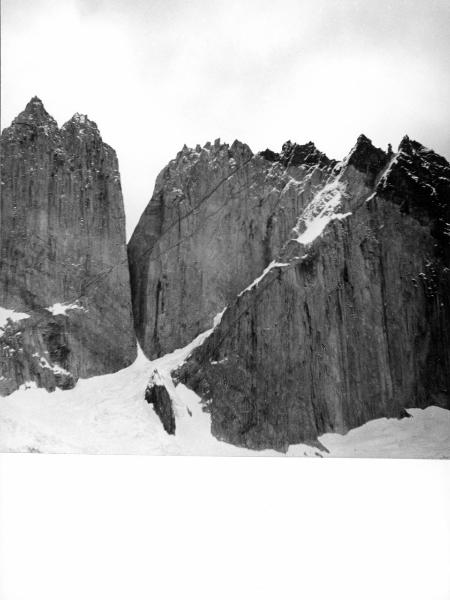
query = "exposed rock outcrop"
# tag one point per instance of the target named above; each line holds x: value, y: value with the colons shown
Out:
x: 158, y: 396
x: 218, y: 216
x: 63, y: 253
x: 352, y: 320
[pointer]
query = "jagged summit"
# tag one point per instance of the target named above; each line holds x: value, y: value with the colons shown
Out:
x: 404, y: 141
x: 35, y: 101
x: 303, y: 154
x: 35, y: 105
x: 216, y: 148
x: 415, y: 148
x: 35, y: 115
x: 411, y: 147
x: 80, y: 120
x: 35, y: 119
x: 418, y: 181
x: 79, y: 126
x: 62, y: 224
x: 294, y: 155
x: 366, y: 157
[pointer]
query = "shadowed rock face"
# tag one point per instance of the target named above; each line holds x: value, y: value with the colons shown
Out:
x: 355, y: 322
x: 159, y: 398
x: 62, y: 241
x: 218, y: 216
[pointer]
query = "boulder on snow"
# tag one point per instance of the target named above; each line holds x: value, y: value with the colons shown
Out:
x: 157, y: 395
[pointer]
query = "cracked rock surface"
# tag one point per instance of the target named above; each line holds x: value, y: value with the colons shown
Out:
x: 351, y: 322
x: 63, y: 254
x: 218, y: 216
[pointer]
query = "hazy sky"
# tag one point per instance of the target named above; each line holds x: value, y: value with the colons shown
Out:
x: 156, y: 74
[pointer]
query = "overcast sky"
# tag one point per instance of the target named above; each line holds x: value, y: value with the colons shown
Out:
x: 156, y: 74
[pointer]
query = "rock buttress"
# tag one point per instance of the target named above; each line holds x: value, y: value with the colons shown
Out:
x: 354, y: 323
x: 218, y: 215
x: 62, y: 246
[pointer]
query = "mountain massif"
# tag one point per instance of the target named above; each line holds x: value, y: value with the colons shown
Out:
x: 352, y: 321
x: 326, y: 284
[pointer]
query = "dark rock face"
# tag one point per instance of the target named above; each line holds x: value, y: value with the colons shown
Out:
x: 62, y: 243
x: 157, y: 395
x: 218, y: 216
x: 295, y: 155
x: 353, y: 321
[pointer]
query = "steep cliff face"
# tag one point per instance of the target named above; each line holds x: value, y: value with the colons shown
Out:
x: 63, y: 254
x: 218, y: 216
x: 352, y: 320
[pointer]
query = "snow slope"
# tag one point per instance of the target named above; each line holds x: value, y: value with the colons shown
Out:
x: 108, y: 415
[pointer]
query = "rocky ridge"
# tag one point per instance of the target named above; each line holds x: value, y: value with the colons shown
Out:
x: 218, y: 216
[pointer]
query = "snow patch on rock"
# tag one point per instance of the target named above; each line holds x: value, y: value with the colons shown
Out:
x: 46, y: 365
x: 61, y: 308
x: 322, y: 209
x: 11, y: 315
x: 274, y: 264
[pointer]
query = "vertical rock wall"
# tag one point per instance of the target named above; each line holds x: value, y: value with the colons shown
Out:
x: 63, y: 253
x: 217, y: 217
x: 354, y: 323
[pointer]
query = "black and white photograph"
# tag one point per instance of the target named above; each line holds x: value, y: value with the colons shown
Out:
x: 284, y: 291
x: 225, y: 232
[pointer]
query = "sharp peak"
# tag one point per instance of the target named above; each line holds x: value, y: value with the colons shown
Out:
x: 35, y: 100
x: 414, y: 150
x: 81, y: 119
x: 35, y: 108
x: 34, y: 115
x: 363, y: 139
x: 293, y: 154
x: 408, y: 145
x: 365, y: 157
x: 363, y: 144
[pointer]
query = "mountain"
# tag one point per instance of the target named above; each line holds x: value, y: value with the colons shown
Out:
x: 218, y: 215
x: 334, y: 278
x: 279, y: 297
x: 64, y: 282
